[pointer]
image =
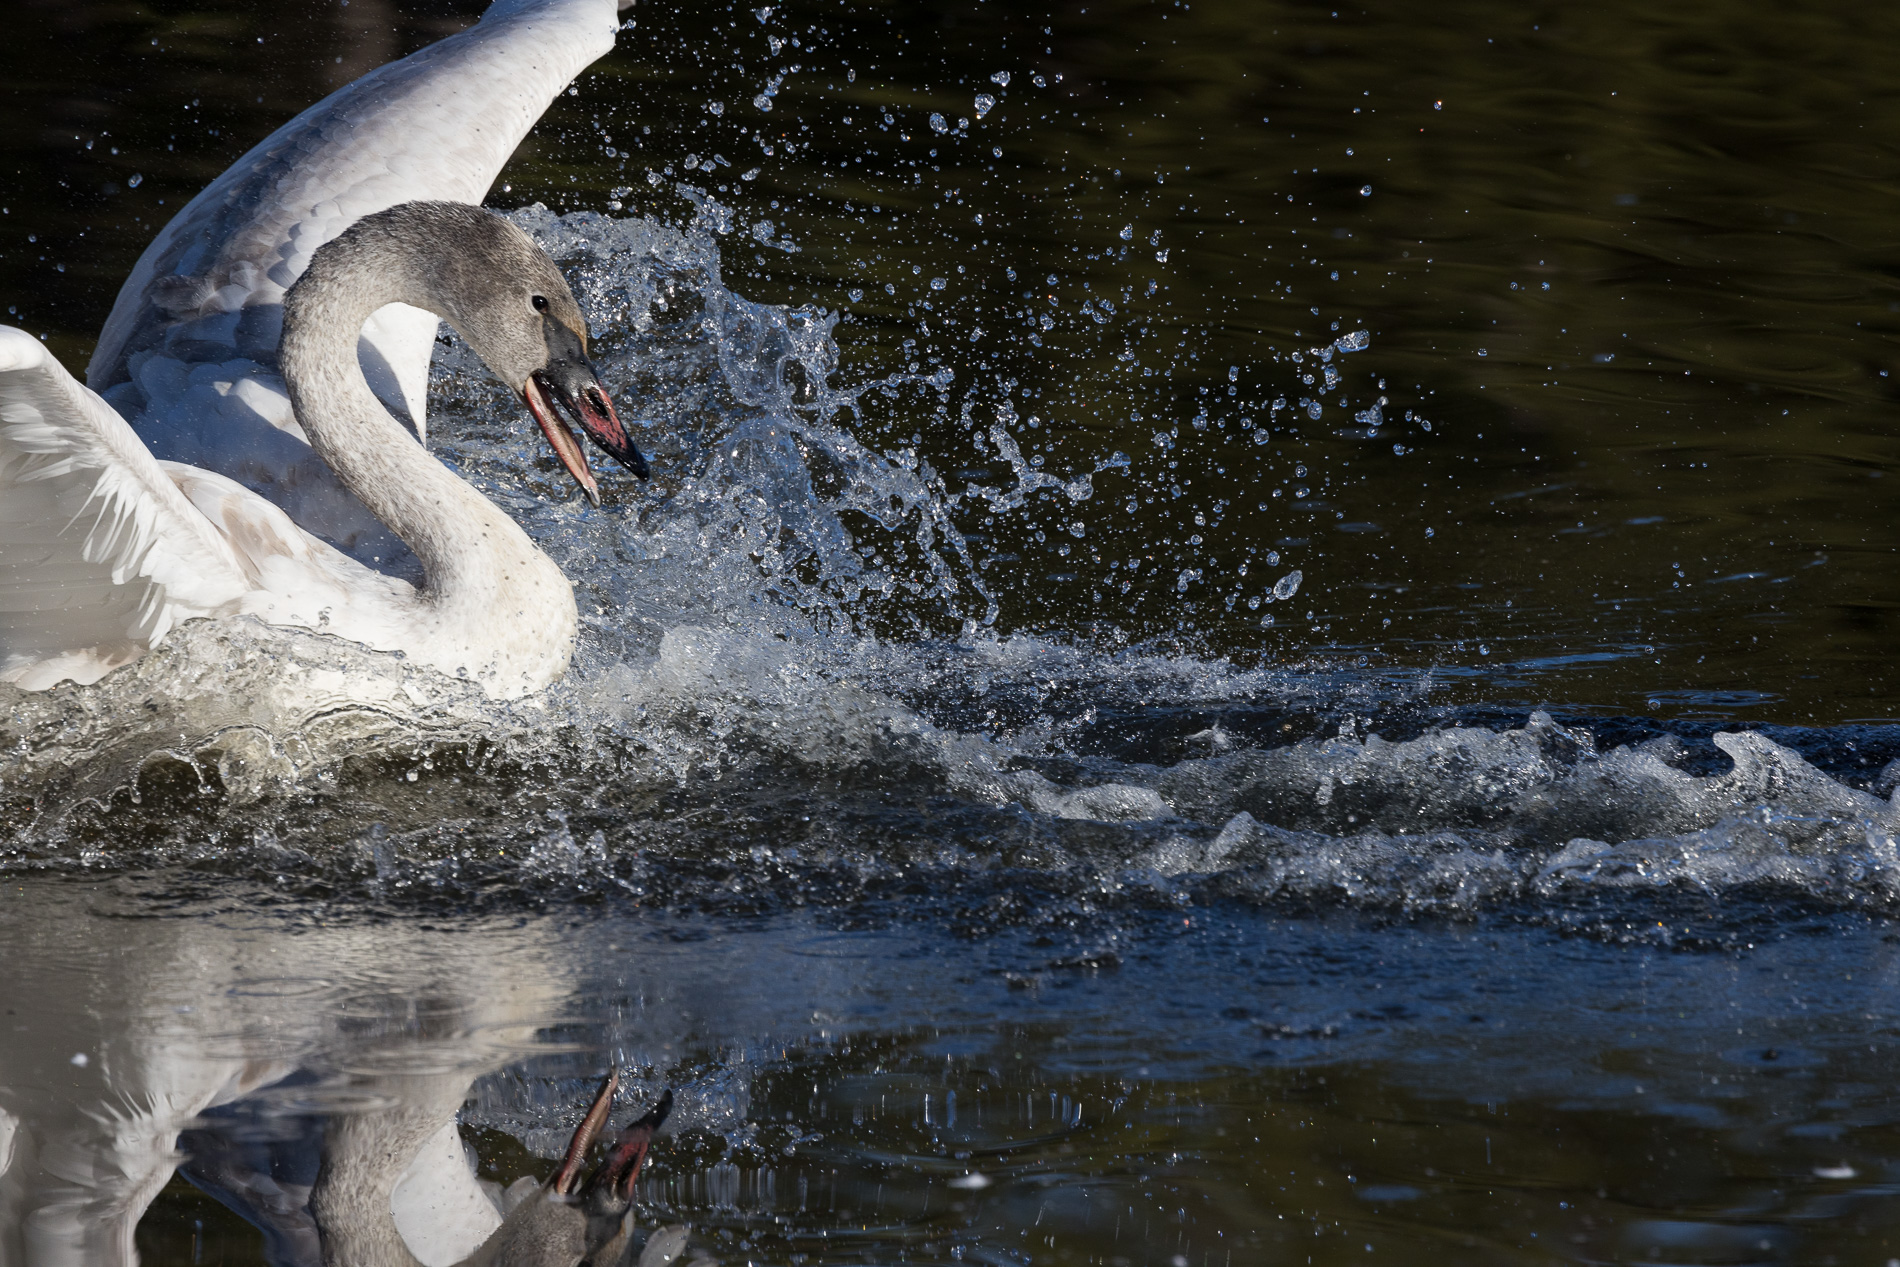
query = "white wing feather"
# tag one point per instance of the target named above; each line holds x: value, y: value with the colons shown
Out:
x: 103, y: 548
x: 100, y: 553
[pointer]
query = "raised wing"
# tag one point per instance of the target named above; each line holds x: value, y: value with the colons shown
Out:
x: 190, y: 348
x: 100, y: 553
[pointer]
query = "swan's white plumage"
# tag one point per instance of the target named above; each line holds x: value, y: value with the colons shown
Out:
x: 206, y: 504
x: 103, y: 548
x: 100, y: 552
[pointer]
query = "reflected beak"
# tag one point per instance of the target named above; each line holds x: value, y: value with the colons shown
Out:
x: 616, y: 1175
x: 565, y: 1179
x: 567, y: 392
x: 612, y: 1182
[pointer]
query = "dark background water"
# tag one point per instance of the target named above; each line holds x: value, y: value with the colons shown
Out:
x: 1631, y: 263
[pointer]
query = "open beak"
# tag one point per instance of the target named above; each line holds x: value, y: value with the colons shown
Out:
x: 566, y: 391
x: 568, y: 1176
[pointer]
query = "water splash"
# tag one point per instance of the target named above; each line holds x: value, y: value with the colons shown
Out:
x: 788, y: 689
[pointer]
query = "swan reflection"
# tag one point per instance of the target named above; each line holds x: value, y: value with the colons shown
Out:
x: 311, y: 1082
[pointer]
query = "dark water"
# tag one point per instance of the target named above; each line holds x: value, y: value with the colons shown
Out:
x: 1211, y: 1086
x: 1094, y: 839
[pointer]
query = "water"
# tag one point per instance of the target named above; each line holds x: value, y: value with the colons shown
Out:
x: 1313, y: 739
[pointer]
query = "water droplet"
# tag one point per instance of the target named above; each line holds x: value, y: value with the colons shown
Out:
x: 1365, y: 191
x: 135, y: 180
x: 1000, y: 79
x: 984, y: 104
x: 937, y: 124
x: 1128, y: 233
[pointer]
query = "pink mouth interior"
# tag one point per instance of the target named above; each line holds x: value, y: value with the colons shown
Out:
x: 566, y: 444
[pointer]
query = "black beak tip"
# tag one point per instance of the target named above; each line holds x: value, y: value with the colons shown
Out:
x: 636, y: 461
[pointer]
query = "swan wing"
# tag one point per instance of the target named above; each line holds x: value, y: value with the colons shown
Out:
x: 439, y: 124
x: 297, y: 579
x: 100, y: 553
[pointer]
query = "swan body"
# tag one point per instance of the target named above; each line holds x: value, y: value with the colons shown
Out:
x: 237, y: 453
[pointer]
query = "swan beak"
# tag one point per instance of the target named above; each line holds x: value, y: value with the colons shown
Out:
x: 594, y: 409
x: 569, y: 381
x: 567, y: 446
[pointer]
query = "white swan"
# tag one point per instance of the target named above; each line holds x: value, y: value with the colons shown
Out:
x: 261, y: 472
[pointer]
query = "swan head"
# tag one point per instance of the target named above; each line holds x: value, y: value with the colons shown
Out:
x: 517, y: 313
x: 502, y: 294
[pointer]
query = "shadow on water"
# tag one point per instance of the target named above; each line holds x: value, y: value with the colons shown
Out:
x: 1303, y: 672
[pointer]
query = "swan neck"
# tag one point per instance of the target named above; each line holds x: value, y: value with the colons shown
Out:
x: 435, y: 513
x: 492, y: 606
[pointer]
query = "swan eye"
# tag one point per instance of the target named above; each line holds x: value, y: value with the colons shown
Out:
x: 540, y: 303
